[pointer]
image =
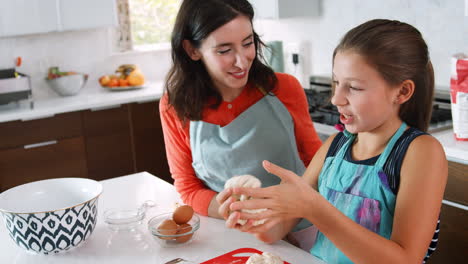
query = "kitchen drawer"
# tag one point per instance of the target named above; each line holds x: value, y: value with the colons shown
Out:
x: 20, y: 133
x: 57, y: 159
x: 453, y: 236
x: 100, y: 122
x: 457, y: 183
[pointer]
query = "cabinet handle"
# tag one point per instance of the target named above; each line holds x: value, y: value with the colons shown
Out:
x: 457, y: 205
x: 104, y: 108
x: 42, y: 144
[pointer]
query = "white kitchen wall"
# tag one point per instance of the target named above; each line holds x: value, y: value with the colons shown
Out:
x: 89, y: 51
x: 442, y: 23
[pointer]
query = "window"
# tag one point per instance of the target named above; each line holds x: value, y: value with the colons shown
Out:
x: 146, y: 24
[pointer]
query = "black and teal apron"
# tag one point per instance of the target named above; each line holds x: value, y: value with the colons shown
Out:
x: 359, y: 191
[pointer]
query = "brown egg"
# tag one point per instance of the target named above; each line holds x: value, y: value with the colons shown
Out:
x: 182, y: 214
x: 184, y: 228
x: 168, y: 228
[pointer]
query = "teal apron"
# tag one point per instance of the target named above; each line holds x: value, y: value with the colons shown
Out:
x: 265, y: 131
x: 359, y: 191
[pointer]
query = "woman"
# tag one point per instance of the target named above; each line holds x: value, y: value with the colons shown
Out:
x: 224, y: 111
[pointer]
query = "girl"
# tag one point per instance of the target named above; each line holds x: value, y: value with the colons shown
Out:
x: 224, y: 109
x: 374, y: 191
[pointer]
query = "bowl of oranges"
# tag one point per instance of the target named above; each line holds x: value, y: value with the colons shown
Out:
x: 126, y: 77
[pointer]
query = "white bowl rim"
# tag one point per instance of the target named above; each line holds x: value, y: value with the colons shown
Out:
x: 55, y: 210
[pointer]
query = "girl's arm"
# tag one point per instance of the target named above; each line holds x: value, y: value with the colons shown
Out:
x: 423, y: 178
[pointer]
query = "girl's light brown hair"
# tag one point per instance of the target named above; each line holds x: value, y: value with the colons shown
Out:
x: 398, y: 52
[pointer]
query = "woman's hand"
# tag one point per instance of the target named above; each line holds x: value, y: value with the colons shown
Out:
x: 225, y: 199
x: 290, y: 199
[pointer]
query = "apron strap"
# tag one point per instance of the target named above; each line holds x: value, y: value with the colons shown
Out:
x: 388, y: 149
x: 342, y: 151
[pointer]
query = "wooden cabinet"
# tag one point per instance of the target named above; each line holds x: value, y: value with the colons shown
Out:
x: 453, y: 236
x: 148, y: 140
x: 22, y: 17
x: 41, y: 149
x: 108, y: 142
x: 97, y: 143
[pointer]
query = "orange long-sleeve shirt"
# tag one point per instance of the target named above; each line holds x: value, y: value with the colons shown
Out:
x: 177, y: 136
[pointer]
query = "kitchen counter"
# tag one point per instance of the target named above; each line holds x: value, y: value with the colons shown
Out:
x: 91, y: 97
x: 455, y: 150
x: 96, y: 97
x: 106, y: 246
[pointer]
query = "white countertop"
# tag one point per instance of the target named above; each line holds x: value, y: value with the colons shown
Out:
x: 455, y: 150
x: 91, y: 97
x: 106, y: 246
x: 96, y: 97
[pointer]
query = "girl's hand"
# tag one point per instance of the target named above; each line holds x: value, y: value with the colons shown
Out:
x: 290, y: 199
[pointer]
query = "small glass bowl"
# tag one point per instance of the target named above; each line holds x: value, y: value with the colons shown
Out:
x: 126, y: 219
x: 184, y: 236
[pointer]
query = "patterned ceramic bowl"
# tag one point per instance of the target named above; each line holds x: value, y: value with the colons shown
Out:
x: 51, y: 216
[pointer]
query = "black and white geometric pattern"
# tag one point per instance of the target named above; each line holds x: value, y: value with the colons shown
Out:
x: 52, y: 232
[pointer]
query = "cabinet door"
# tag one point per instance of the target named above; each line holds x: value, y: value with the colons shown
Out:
x: 108, y: 145
x: 52, y: 159
x: 275, y: 9
x: 84, y: 14
x: 265, y: 8
x: 453, y: 236
x: 150, y: 153
x: 20, y: 17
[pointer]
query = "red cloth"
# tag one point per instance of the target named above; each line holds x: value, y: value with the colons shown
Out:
x: 177, y: 137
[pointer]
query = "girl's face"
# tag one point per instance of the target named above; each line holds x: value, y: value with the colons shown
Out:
x: 228, y: 53
x: 364, y: 99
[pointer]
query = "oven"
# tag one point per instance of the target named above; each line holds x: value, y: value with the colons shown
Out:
x: 325, y: 115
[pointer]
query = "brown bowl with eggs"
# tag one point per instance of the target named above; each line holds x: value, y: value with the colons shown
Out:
x: 175, y: 228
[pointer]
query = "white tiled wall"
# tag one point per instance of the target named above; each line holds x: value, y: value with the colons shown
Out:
x: 89, y: 51
x: 442, y: 22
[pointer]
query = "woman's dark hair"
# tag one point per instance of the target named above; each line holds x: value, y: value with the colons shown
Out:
x: 398, y: 52
x: 188, y: 84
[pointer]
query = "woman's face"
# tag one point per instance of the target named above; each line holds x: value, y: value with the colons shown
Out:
x: 363, y: 98
x: 228, y: 53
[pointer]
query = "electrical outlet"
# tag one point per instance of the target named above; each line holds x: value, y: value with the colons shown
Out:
x: 296, y: 61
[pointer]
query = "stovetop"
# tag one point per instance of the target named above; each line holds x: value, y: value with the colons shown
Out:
x: 323, y: 112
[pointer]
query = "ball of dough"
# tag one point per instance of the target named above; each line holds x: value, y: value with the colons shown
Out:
x: 265, y: 258
x: 248, y: 181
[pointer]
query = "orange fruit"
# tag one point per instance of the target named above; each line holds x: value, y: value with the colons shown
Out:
x: 104, y: 80
x: 113, y: 82
x: 123, y: 82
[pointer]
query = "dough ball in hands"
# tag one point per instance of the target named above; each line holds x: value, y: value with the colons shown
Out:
x: 265, y: 258
x: 247, y: 181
